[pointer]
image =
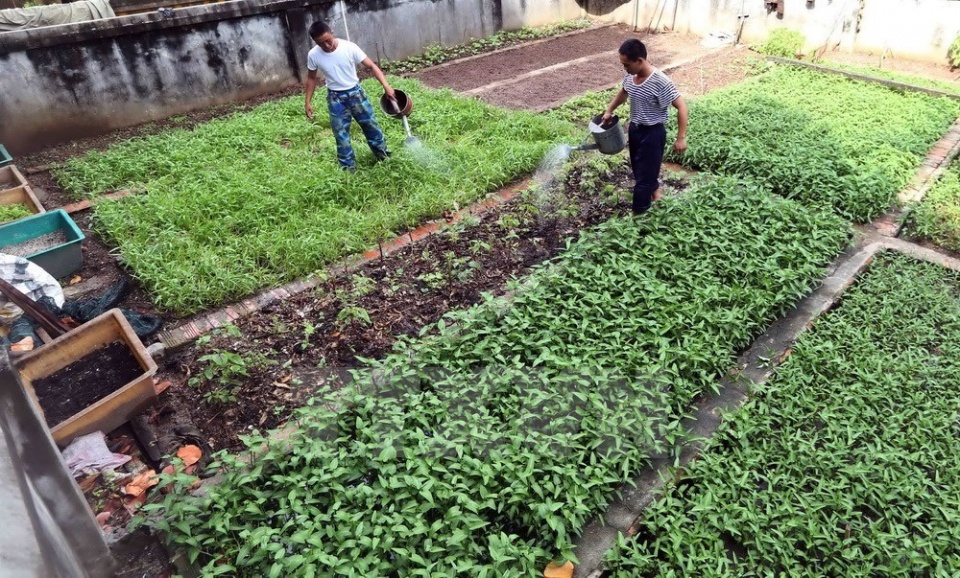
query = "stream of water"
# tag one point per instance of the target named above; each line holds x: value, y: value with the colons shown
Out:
x: 551, y: 164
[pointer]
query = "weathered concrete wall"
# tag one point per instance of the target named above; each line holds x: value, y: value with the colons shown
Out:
x: 921, y: 29
x: 517, y: 13
x: 64, y: 82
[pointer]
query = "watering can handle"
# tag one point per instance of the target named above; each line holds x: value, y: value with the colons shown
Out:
x: 395, y: 104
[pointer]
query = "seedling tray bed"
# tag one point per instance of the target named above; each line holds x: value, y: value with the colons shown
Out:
x: 22, y: 195
x: 51, y: 240
x: 95, y: 377
x: 11, y: 178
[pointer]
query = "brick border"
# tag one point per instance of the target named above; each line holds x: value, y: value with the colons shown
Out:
x: 206, y: 322
x: 934, y: 164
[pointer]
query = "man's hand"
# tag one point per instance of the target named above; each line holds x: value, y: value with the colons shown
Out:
x: 391, y: 94
x: 309, y: 111
x: 680, y: 145
x: 606, y: 118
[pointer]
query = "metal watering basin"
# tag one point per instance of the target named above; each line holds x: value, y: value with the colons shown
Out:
x: 608, y: 138
x: 402, y: 107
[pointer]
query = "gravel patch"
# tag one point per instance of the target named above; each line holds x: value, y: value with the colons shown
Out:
x: 35, y: 245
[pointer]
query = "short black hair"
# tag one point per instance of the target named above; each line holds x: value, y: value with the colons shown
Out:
x: 633, y: 49
x: 318, y: 29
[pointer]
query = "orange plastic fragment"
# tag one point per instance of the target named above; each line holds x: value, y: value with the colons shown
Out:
x: 139, y: 485
x: 25, y: 344
x: 189, y: 454
x: 563, y: 571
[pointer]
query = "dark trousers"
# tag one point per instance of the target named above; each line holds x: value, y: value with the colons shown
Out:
x: 344, y: 106
x: 646, y: 156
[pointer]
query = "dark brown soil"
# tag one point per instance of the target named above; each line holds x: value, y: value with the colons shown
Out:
x: 589, y: 62
x: 507, y: 64
x: 86, y: 381
x: 728, y: 66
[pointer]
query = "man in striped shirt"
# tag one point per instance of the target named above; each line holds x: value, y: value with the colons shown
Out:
x: 651, y: 93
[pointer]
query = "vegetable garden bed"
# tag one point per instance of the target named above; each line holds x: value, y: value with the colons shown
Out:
x: 937, y: 218
x: 482, y: 450
x: 844, y: 464
x: 256, y: 199
x: 818, y: 138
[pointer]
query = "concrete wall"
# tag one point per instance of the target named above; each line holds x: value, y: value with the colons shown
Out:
x: 64, y: 82
x: 920, y: 29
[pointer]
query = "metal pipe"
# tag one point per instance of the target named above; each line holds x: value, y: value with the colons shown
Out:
x: 636, y: 14
x: 343, y: 16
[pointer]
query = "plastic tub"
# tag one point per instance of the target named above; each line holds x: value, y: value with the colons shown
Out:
x: 59, y: 260
x: 5, y: 157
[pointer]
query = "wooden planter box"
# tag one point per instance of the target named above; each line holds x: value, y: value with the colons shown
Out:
x: 111, y: 411
x: 5, y: 157
x: 21, y: 196
x: 59, y: 260
x: 10, y: 178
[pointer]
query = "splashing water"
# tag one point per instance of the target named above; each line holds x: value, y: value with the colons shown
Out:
x: 551, y: 164
x: 419, y: 152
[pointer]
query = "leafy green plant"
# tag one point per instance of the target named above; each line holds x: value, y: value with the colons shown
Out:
x: 953, y: 54
x: 13, y: 212
x: 819, y: 138
x: 783, y: 42
x: 256, y: 199
x: 937, y: 218
x: 483, y: 448
x: 846, y: 464
x: 353, y: 314
x: 434, y: 54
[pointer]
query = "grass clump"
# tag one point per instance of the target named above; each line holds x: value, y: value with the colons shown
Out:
x: 783, y: 42
x: 483, y: 448
x: 257, y: 199
x: 819, y: 138
x: 846, y: 464
x: 13, y: 212
x: 937, y: 218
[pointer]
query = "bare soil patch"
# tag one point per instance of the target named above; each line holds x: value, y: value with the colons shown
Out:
x: 589, y: 62
x: 506, y: 64
x: 86, y: 381
x: 932, y: 70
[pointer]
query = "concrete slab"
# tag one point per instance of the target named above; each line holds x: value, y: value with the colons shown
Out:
x: 20, y: 554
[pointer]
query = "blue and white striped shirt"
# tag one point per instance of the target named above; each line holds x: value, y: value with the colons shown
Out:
x: 650, y: 100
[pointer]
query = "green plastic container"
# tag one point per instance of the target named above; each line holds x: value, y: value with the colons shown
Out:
x: 59, y: 260
x: 5, y: 158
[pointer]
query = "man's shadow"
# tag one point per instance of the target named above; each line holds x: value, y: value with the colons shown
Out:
x: 601, y: 7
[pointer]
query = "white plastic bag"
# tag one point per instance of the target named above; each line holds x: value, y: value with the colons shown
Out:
x: 31, y: 279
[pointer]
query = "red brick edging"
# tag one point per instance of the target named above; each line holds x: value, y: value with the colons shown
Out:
x: 206, y: 322
x: 937, y: 160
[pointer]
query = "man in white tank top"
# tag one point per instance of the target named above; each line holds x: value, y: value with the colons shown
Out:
x: 337, y: 59
x: 651, y: 94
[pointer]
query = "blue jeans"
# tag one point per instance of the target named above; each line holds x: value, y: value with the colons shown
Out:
x: 344, y: 106
x: 646, y: 156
